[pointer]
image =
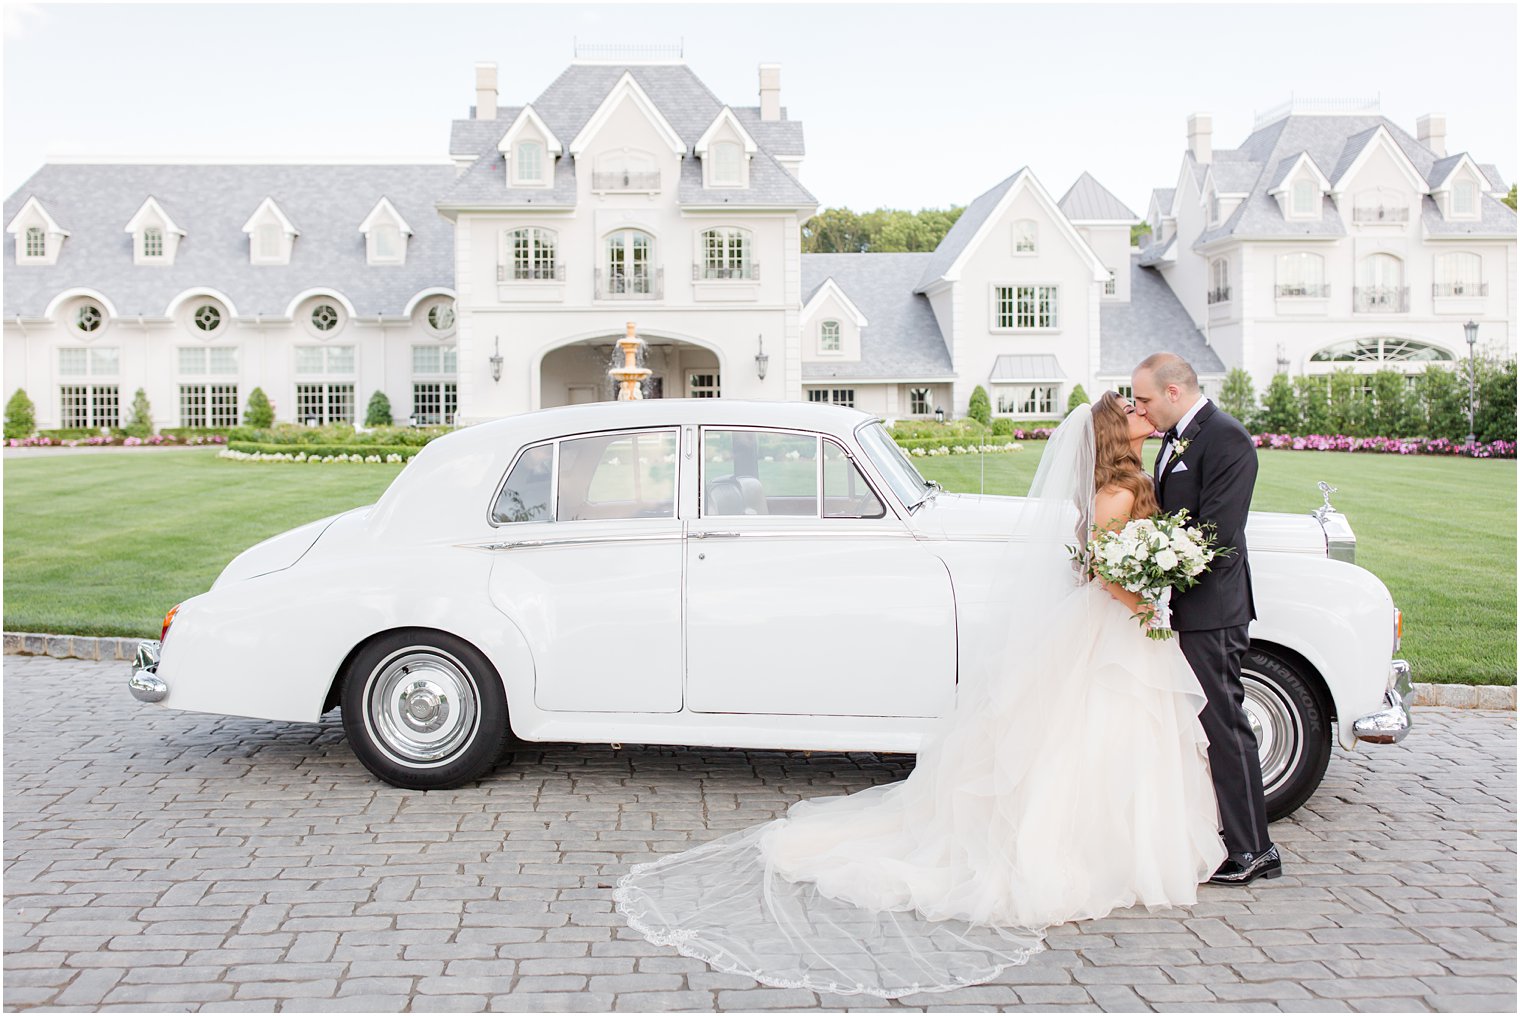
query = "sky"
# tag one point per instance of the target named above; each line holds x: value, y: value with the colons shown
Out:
x: 903, y: 106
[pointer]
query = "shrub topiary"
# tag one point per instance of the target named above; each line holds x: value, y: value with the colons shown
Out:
x: 379, y: 412
x: 1002, y: 426
x: 20, y: 416
x: 981, y: 407
x: 259, y: 412
x: 1077, y: 398
x: 140, y: 423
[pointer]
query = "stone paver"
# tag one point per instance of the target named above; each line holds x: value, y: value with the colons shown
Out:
x: 165, y: 860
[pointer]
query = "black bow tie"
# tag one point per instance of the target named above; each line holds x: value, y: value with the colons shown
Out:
x: 1170, y: 435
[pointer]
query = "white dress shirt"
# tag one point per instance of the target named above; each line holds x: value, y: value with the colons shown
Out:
x: 1182, y: 425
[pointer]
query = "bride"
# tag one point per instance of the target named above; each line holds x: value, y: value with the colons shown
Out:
x: 1070, y: 779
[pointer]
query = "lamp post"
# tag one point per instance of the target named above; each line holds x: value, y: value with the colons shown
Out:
x: 1471, y: 328
x: 939, y: 414
x: 496, y: 361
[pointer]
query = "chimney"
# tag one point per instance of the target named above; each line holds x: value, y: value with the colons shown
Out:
x: 1431, y: 131
x: 485, y: 91
x: 770, y: 91
x: 1200, y: 137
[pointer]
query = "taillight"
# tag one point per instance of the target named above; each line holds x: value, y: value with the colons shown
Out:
x: 1398, y: 628
x: 168, y: 620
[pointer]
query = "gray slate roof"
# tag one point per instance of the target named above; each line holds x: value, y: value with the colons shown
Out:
x: 1152, y: 321
x: 902, y: 339
x: 1498, y: 219
x: 965, y: 228
x: 1026, y: 367
x: 1153, y: 253
x: 1163, y: 197
x: 570, y: 101
x: 1089, y: 201
x: 211, y: 203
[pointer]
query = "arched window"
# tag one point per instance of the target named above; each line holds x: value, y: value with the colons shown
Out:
x: 726, y: 167
x: 726, y: 254
x: 1219, y: 277
x: 1026, y: 236
x: 1381, y: 288
x: 1301, y: 274
x: 1378, y: 351
x: 828, y: 337
x: 531, y: 251
x: 530, y: 162
x: 1304, y: 193
x: 1459, y: 273
x: 629, y: 272
x: 153, y: 242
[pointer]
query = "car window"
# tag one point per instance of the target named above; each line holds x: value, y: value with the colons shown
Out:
x: 618, y: 476
x: 892, y: 462
x: 846, y: 494
x: 757, y: 472
x: 525, y: 496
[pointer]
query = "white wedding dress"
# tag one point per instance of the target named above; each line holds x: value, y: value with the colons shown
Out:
x: 1071, y: 779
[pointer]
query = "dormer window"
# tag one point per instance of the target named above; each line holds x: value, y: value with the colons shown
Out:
x: 387, y: 243
x: 38, y: 237
x: 269, y: 241
x: 1213, y: 208
x: 1464, y: 199
x: 270, y: 235
x: 828, y: 337
x: 1304, y: 194
x: 1026, y: 236
x: 530, y: 162
x: 36, y: 242
x: 726, y: 168
x: 153, y: 242
x: 155, y: 237
x: 385, y: 233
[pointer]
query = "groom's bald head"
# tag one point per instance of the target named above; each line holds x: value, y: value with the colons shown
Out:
x: 1165, y: 387
x: 1170, y: 369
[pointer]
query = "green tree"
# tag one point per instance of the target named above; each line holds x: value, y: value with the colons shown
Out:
x: 980, y: 409
x: 1443, y: 403
x: 841, y: 231
x: 1136, y: 232
x: 1077, y: 397
x: 1280, y: 407
x: 1349, y: 407
x: 140, y: 423
x: 378, y: 414
x: 259, y: 412
x: 1313, y: 391
x: 20, y: 416
x: 834, y: 231
x: 1494, y: 419
x: 1238, y: 396
x: 1394, y: 410
x: 1509, y: 199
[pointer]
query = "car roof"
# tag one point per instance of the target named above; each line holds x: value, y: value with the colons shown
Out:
x: 654, y: 412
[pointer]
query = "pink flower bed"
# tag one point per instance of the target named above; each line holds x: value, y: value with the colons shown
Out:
x: 102, y: 440
x: 1386, y: 445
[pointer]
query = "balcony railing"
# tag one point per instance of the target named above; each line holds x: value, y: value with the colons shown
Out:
x: 1304, y: 290
x: 1459, y: 289
x: 637, y: 285
x: 1380, y: 213
x: 1380, y: 299
x: 749, y: 270
x: 1220, y: 295
x: 625, y: 181
x: 530, y: 273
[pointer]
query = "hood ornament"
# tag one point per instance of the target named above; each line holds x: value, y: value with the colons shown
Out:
x: 1327, y: 508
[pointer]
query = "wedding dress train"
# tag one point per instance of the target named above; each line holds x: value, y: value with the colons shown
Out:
x: 1069, y: 781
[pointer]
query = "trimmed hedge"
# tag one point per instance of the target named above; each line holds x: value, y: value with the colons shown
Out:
x: 318, y: 450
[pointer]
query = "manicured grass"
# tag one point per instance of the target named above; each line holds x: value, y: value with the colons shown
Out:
x: 1439, y: 532
x: 103, y: 544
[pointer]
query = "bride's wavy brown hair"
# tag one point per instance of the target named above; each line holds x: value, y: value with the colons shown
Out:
x: 1115, y: 465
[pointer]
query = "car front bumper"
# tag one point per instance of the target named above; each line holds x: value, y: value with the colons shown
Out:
x: 145, y: 684
x: 1389, y: 724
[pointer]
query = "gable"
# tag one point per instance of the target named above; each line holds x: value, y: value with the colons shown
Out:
x: 625, y: 102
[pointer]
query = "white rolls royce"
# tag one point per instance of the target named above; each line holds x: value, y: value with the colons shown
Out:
x: 700, y: 572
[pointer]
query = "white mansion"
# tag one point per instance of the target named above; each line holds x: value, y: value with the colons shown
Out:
x: 496, y: 282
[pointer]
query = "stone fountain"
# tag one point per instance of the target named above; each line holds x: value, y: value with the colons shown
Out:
x: 630, y: 377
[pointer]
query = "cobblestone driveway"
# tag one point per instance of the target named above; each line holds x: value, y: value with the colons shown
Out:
x: 163, y: 860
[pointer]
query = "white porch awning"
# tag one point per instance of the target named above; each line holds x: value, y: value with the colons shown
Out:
x: 1013, y: 368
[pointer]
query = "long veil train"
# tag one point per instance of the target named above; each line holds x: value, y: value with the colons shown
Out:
x: 950, y: 876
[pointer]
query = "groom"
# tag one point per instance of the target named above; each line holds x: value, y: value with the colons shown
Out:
x: 1208, y: 466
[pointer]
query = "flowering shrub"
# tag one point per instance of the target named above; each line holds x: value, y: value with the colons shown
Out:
x: 114, y: 440
x: 233, y: 453
x: 1386, y: 445
x: 964, y: 449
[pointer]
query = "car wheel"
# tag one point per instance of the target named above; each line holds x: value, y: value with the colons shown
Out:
x: 1292, y: 726
x: 424, y: 710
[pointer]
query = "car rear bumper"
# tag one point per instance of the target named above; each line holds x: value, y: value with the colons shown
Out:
x: 145, y: 684
x: 1389, y: 724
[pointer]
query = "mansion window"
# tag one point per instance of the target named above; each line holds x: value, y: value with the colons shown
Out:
x: 1213, y: 208
x: 336, y: 360
x: 79, y: 361
x: 387, y: 240
x: 1304, y: 193
x: 1301, y: 274
x: 208, y: 405
x: 918, y: 401
x: 440, y: 317
x: 1379, y: 351
x: 434, y: 402
x: 702, y: 385
x: 1111, y: 284
x: 435, y: 360
x: 36, y: 242
x: 532, y: 252
x: 1026, y: 307
x: 89, y: 406
x: 629, y: 272
x: 88, y: 318
x: 1459, y: 273
x: 318, y: 404
x: 207, y: 361
x: 834, y: 396
x: 153, y: 242
x: 530, y: 162
x: 207, y: 318
x: 269, y: 237
x: 828, y: 337
x: 1219, y: 280
x: 726, y: 254
x: 324, y: 317
x: 727, y: 164
x: 1464, y: 198
x: 1027, y: 400
x: 1380, y: 285
x: 1026, y: 236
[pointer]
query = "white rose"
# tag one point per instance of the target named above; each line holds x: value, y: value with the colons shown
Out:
x: 1167, y: 559
x: 1142, y: 552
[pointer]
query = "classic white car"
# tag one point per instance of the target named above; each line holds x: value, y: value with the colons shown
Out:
x: 699, y: 572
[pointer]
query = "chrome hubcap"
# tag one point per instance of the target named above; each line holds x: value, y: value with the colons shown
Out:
x: 1279, y: 733
x: 421, y: 706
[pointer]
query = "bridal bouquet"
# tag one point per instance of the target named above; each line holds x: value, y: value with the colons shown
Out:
x: 1149, y: 556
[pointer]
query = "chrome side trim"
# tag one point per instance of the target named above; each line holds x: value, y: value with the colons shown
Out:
x: 1389, y: 724
x: 574, y: 540
x: 144, y: 684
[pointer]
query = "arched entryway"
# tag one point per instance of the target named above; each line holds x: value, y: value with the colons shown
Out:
x: 576, y: 371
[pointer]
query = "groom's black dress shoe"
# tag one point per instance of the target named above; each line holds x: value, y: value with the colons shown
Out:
x: 1242, y: 869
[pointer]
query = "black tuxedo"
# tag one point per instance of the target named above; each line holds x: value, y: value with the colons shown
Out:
x: 1213, y: 618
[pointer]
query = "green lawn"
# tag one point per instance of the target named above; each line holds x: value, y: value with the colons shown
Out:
x: 103, y: 544
x: 1439, y: 532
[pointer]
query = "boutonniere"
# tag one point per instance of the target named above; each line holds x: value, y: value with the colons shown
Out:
x: 1179, y: 448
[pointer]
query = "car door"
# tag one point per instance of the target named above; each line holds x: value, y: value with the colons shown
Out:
x: 805, y: 593
x: 589, y: 568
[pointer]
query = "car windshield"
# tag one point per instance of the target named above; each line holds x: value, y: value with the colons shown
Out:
x: 894, y: 464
